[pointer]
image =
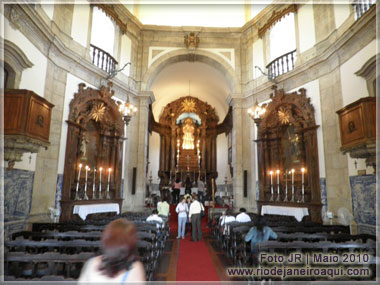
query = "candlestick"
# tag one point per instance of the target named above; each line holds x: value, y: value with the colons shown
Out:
x: 286, y: 186
x: 94, y: 185
x: 85, y: 197
x: 77, y: 189
x: 108, y: 184
x: 271, y: 185
x: 100, y: 182
x: 278, y: 184
x: 302, y: 199
x: 292, y: 171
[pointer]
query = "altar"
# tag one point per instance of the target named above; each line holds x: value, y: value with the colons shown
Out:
x: 297, y: 212
x: 84, y: 210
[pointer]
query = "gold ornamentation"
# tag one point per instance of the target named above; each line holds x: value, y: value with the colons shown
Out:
x: 191, y: 40
x: 284, y: 115
x: 188, y: 105
x: 98, y: 112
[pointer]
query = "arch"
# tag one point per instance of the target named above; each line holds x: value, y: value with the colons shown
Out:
x: 198, y: 55
x: 15, y: 62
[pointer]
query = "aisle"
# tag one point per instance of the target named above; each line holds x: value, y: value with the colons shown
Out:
x: 194, y: 262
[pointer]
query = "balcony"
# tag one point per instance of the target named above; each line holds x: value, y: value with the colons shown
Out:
x: 102, y: 59
x: 281, y: 64
x: 362, y: 6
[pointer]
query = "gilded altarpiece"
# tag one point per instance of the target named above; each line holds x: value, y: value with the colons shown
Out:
x: 94, y: 139
x: 287, y: 139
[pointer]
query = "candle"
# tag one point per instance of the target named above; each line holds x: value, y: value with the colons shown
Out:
x: 303, y: 189
x: 271, y: 181
x: 93, y: 184
x: 87, y: 168
x: 286, y: 181
x: 292, y: 177
x: 109, y: 174
x: 278, y: 176
x: 100, y: 180
x: 80, y: 167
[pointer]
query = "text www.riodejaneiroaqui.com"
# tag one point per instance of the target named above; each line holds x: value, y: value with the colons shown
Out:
x: 315, y: 265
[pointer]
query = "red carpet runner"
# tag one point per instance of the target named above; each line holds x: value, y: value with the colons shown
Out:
x: 194, y: 261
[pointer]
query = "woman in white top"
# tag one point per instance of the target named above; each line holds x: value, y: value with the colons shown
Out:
x: 243, y: 217
x: 182, y: 217
x: 118, y: 263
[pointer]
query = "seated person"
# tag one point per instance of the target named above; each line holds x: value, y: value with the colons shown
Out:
x: 163, y: 208
x: 155, y: 217
x: 242, y: 217
x: 257, y: 234
x: 225, y: 219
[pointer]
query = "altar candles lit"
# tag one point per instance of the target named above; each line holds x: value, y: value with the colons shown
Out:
x: 109, y: 174
x: 87, y: 168
x: 80, y: 168
x: 278, y: 176
x: 292, y: 176
x: 100, y: 179
x: 271, y: 181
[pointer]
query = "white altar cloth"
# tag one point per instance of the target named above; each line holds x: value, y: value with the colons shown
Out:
x: 84, y: 210
x: 298, y: 213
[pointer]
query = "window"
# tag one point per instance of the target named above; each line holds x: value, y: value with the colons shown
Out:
x: 102, y: 41
x: 282, y: 44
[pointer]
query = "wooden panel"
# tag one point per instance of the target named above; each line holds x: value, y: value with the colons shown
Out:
x: 13, y: 117
x: 372, y: 120
x: 352, y: 126
x: 38, y: 124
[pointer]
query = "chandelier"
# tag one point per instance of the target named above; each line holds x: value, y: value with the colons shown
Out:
x: 127, y: 110
x: 256, y: 112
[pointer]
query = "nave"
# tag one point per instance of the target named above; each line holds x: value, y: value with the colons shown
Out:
x: 57, y: 252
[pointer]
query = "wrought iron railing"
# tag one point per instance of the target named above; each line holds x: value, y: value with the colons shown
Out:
x: 102, y: 59
x: 362, y: 6
x: 281, y: 64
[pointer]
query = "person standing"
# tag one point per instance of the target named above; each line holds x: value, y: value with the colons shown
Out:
x: 176, y: 188
x: 195, y: 218
x: 188, y: 224
x: 163, y: 208
x: 201, y: 189
x: 182, y: 217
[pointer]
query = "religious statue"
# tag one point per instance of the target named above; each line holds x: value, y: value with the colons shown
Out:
x: 188, y: 134
x: 83, y: 147
x: 191, y: 40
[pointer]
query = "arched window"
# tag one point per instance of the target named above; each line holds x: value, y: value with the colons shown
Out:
x: 282, y: 44
x: 102, y: 40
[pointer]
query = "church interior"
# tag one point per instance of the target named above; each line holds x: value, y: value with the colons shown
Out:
x: 268, y: 109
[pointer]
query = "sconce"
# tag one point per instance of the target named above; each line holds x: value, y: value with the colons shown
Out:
x: 256, y: 112
x: 127, y: 110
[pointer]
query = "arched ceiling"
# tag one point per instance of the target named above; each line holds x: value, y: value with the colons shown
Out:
x: 206, y: 83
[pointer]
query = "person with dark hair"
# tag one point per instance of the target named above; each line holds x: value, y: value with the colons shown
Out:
x: 226, y: 217
x: 242, y: 217
x: 177, y: 184
x: 257, y: 234
x: 188, y: 223
x: 119, y: 262
x: 195, y: 218
x: 201, y: 190
x: 155, y: 217
x: 182, y: 210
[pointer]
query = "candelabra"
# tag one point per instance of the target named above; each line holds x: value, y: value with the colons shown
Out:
x: 127, y: 110
x: 94, y: 185
x: 85, y: 197
x: 77, y: 188
x: 302, y: 199
x: 286, y: 186
x: 278, y: 185
x: 108, y: 184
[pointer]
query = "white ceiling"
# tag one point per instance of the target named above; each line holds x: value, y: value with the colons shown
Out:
x: 206, y: 83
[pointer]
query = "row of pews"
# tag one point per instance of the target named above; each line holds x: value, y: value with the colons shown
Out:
x: 58, y: 251
x: 306, y: 239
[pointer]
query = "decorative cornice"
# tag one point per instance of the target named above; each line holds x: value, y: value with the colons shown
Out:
x: 277, y: 16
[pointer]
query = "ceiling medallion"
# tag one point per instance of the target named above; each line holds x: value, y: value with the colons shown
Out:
x: 188, y: 105
x: 98, y: 111
x: 284, y: 115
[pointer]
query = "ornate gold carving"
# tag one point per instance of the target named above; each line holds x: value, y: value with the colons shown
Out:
x: 284, y: 115
x: 98, y: 112
x: 191, y: 40
x: 188, y: 105
x: 277, y: 16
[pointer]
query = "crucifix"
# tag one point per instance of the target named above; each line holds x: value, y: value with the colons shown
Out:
x: 188, y: 161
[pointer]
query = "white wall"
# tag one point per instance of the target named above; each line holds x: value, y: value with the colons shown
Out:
x: 48, y: 9
x: 28, y: 161
x: 32, y: 78
x: 154, y: 156
x: 306, y: 27
x: 312, y: 91
x: 125, y: 54
x: 341, y: 13
x: 258, y: 58
x: 355, y: 87
x: 222, y: 158
x: 81, y: 20
x: 71, y: 88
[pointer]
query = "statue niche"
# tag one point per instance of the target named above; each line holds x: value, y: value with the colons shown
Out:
x: 94, y: 139
x: 287, y: 139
